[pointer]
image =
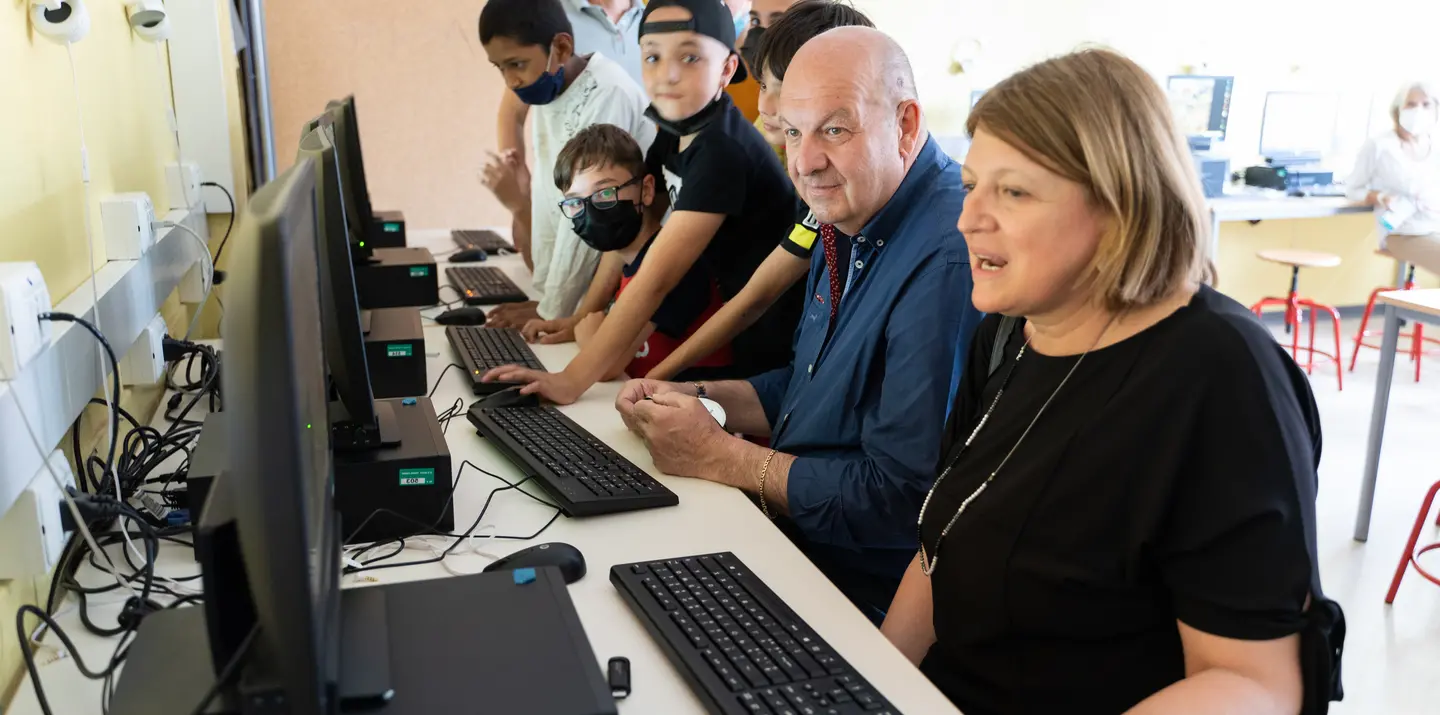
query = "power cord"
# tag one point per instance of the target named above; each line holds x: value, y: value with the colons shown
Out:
x: 372, y: 565
x: 28, y: 653
x: 207, y: 277
x: 113, y: 424
x: 229, y: 225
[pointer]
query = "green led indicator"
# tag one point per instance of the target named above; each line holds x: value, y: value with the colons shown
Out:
x: 307, y: 425
x: 362, y: 244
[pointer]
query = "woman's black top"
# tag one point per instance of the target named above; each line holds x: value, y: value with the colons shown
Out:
x: 1173, y: 478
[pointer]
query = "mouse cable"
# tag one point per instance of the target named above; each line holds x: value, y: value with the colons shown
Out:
x: 458, y: 538
x: 473, y: 526
x: 455, y: 410
x: 456, y: 366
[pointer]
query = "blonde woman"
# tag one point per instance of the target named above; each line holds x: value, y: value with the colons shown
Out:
x: 1399, y: 172
x: 1122, y: 519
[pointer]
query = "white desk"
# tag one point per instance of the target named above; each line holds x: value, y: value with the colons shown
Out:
x: 1273, y: 206
x: 709, y: 518
x: 1417, y: 306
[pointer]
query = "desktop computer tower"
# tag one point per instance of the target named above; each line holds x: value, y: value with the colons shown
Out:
x: 1214, y: 174
x: 412, y: 478
x: 398, y: 278
x: 387, y: 230
x: 395, y: 352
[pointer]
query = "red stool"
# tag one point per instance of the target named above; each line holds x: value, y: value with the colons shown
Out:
x: 1293, y: 304
x: 1411, y: 555
x: 1416, y: 337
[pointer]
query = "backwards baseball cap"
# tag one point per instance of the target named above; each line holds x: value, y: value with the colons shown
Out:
x: 710, y: 18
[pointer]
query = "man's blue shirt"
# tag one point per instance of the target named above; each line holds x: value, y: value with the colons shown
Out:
x: 864, y: 410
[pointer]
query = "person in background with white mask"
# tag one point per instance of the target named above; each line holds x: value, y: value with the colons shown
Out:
x: 1398, y: 172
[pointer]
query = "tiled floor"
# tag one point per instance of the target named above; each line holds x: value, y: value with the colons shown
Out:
x: 1392, y: 655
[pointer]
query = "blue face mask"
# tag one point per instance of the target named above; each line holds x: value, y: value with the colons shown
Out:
x: 741, y: 23
x: 545, y: 89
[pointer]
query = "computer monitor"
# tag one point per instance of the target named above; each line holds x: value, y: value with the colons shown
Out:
x: 1298, y: 126
x: 358, y: 211
x: 279, y: 484
x: 1201, y: 104
x: 364, y: 424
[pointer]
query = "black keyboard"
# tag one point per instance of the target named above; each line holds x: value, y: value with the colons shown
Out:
x: 485, y: 285
x: 741, y: 649
x: 483, y: 348
x: 584, y: 475
x: 487, y: 241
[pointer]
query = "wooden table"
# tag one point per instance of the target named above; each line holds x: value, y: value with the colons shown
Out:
x: 1421, y: 306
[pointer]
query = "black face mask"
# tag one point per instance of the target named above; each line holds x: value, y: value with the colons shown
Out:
x: 751, y: 48
x: 609, y: 229
x: 689, y: 125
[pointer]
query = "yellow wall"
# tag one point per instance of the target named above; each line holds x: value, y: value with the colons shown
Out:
x: 1247, y: 279
x: 124, y: 88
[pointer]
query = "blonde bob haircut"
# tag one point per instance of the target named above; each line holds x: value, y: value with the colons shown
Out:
x: 1096, y: 118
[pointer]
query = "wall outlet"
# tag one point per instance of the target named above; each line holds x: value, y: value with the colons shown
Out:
x: 144, y: 364
x: 182, y: 182
x: 23, y: 297
x: 31, y: 530
x: 128, y: 223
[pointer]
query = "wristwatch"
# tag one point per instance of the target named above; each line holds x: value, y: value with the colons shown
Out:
x: 700, y: 390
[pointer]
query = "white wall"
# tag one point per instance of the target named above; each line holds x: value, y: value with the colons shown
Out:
x: 1363, y: 50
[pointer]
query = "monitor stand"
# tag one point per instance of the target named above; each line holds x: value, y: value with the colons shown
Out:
x: 415, y: 648
x: 177, y: 653
x: 168, y: 669
x: 348, y: 435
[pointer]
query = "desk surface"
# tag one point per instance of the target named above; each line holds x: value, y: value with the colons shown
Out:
x: 1277, y: 206
x: 709, y: 518
x: 1421, y: 301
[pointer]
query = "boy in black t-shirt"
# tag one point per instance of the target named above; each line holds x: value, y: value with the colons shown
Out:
x: 614, y: 206
x: 730, y: 199
x: 790, y: 262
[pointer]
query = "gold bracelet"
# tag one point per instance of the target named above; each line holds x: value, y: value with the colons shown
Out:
x: 764, y: 472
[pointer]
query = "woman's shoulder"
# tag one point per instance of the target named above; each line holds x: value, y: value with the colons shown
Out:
x: 1218, y: 340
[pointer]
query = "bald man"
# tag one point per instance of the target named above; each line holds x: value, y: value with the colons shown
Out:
x: 854, y: 423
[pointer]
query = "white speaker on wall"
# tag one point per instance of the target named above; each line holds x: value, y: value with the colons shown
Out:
x: 63, y: 21
x: 149, y: 20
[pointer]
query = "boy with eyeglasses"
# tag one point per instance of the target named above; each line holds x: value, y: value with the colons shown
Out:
x: 613, y: 204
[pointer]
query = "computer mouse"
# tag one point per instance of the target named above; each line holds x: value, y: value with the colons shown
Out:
x: 469, y: 255
x: 508, y: 397
x: 563, y: 556
x: 467, y: 315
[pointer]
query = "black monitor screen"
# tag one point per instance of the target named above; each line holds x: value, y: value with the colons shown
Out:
x: 352, y: 167
x: 344, y: 338
x: 280, y: 477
